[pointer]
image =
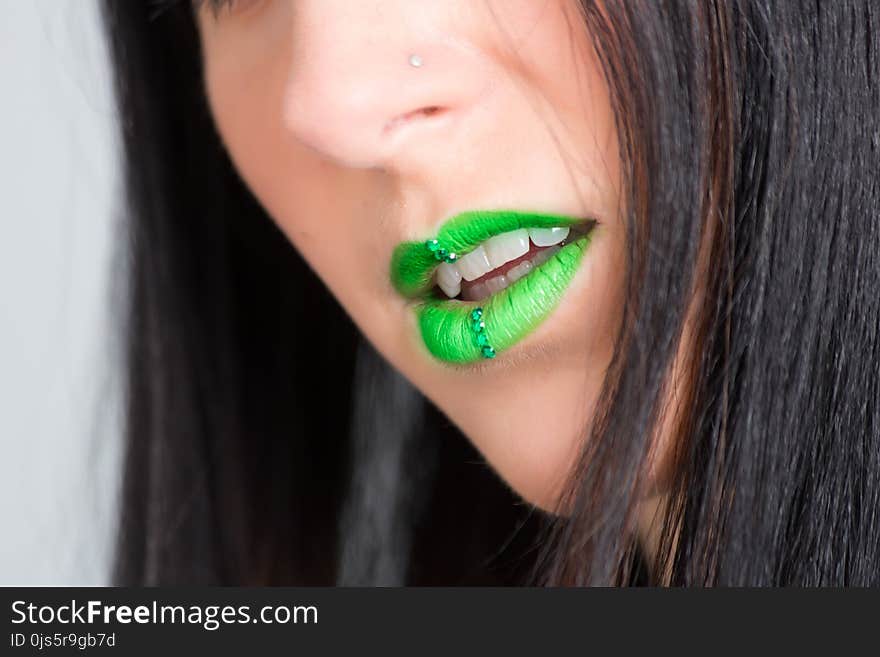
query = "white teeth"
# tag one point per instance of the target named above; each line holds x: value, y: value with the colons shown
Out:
x: 519, y: 271
x: 474, y: 264
x: 494, y: 253
x: 449, y: 280
x: 548, y: 236
x: 503, y: 248
x: 497, y: 283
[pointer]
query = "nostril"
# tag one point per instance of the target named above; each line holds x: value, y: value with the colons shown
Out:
x: 415, y: 115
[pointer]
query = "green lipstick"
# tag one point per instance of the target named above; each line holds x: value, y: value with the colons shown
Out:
x: 458, y: 331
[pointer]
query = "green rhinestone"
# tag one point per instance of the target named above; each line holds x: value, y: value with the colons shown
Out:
x: 488, y: 352
x: 452, y: 257
x: 482, y: 340
x: 441, y: 254
x: 478, y: 326
x: 476, y: 314
x: 433, y: 245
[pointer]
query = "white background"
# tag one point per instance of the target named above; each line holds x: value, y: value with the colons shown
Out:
x: 59, y: 398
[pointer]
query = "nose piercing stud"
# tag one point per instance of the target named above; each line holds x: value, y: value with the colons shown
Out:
x: 415, y: 61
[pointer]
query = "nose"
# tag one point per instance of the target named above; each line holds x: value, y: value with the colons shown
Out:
x: 369, y: 80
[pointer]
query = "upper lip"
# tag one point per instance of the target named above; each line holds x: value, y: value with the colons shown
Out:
x: 413, y: 264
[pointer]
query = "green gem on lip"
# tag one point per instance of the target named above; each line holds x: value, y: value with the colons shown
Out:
x: 440, y: 253
x: 479, y: 328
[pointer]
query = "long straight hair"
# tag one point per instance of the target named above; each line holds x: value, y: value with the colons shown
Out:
x: 266, y: 449
x: 751, y: 132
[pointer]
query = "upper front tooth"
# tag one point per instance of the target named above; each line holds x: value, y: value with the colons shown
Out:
x: 474, y: 264
x: 449, y: 280
x: 507, y: 246
x: 548, y: 236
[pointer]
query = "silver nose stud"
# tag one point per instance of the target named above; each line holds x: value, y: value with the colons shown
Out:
x: 415, y: 61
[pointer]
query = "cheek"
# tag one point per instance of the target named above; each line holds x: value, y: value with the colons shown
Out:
x: 320, y: 206
x: 568, y: 73
x: 538, y: 437
x: 301, y: 191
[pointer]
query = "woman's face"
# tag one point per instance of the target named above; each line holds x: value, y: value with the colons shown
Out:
x: 365, y: 127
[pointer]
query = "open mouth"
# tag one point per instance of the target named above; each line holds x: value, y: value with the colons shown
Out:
x: 488, y: 278
x: 501, y: 261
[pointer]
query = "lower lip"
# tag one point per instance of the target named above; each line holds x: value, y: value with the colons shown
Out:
x: 448, y: 329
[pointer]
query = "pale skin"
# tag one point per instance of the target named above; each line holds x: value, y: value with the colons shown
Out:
x: 323, y: 115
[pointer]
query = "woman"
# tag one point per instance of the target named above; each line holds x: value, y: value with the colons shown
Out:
x: 629, y: 251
